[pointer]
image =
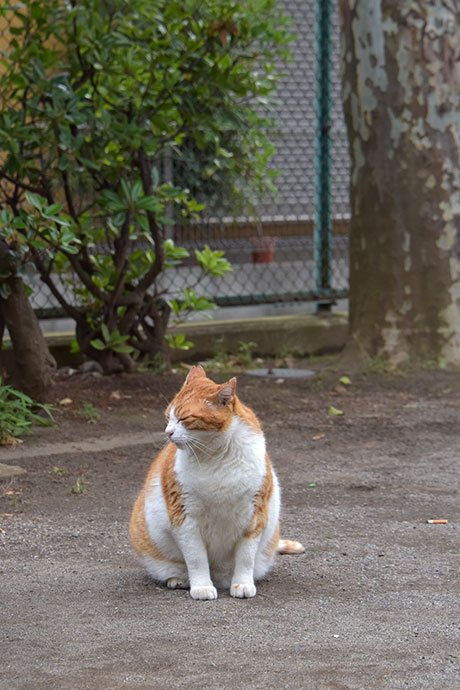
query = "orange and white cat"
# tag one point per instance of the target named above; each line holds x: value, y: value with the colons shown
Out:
x: 208, y: 513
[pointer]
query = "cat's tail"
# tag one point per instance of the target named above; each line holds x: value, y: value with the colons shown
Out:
x: 289, y: 546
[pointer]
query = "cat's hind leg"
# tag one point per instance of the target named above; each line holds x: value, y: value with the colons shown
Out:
x: 173, y: 573
x: 177, y: 583
x: 268, y: 549
x: 170, y: 569
x: 266, y: 553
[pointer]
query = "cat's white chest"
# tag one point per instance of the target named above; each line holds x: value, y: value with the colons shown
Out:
x: 219, y: 488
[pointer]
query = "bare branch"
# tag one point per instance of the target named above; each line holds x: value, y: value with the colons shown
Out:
x: 22, y: 185
x: 46, y: 278
x: 155, y: 231
x: 85, y: 278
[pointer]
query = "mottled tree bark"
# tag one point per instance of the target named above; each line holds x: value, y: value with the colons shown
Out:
x: 33, y: 365
x: 401, y: 92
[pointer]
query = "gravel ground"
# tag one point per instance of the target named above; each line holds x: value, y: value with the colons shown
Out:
x: 374, y: 603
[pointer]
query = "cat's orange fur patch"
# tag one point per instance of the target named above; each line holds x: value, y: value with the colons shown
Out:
x: 162, y: 472
x: 247, y: 415
x: 261, y: 503
x: 207, y: 406
x: 141, y: 540
x: 171, y: 488
x: 197, y: 406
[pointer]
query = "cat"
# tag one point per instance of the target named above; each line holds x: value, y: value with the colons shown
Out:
x: 208, y: 513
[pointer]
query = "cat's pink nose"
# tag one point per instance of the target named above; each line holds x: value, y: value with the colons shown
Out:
x: 169, y: 431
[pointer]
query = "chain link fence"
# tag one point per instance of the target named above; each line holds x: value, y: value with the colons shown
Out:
x: 295, y: 247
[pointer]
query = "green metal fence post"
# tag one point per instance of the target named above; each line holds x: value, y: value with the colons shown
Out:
x: 322, y: 238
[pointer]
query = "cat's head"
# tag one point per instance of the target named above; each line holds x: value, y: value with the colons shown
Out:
x: 200, y: 406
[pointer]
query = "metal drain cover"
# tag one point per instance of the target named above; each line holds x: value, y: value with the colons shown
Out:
x: 279, y: 373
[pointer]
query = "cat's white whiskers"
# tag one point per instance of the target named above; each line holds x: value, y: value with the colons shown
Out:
x: 189, y: 446
x: 164, y: 398
x: 202, y: 447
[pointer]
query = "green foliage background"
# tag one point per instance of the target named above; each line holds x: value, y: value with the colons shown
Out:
x: 94, y: 96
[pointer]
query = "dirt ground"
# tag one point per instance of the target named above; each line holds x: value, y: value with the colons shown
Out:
x: 374, y: 603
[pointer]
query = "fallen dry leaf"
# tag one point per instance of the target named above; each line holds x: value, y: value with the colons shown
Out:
x: 11, y: 441
x: 65, y: 401
x: 334, y: 412
x: 317, y: 437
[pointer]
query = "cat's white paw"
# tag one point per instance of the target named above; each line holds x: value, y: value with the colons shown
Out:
x: 177, y: 583
x: 243, y: 591
x: 203, y: 592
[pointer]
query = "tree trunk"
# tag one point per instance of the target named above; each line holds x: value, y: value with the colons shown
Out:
x: 401, y: 91
x: 33, y: 365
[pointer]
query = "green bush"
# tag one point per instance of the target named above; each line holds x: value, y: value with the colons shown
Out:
x: 96, y: 96
x: 18, y: 412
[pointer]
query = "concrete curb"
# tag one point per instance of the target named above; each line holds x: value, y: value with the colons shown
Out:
x: 90, y: 445
x: 303, y: 335
x: 298, y: 334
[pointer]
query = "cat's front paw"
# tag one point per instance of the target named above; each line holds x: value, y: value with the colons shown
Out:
x: 243, y: 591
x: 203, y: 592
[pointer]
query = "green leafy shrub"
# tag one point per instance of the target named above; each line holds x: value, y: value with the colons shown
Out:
x: 95, y: 98
x: 18, y: 412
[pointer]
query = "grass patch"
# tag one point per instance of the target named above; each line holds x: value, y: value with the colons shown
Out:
x: 89, y: 412
x: 79, y: 487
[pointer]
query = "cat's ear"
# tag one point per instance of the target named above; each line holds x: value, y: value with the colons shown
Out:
x: 195, y: 373
x: 226, y: 392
